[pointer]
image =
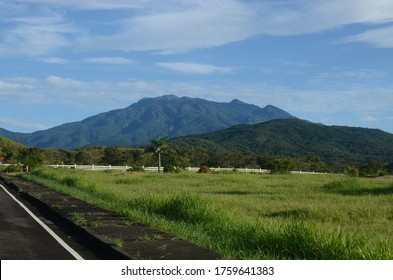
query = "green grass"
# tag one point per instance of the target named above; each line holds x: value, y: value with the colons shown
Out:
x: 248, y: 216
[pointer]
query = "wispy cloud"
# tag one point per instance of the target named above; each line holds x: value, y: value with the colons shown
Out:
x: 88, y: 4
x: 344, y: 77
x: 36, y: 35
x: 181, y: 28
x: 39, y: 27
x: 55, y: 60
x: 99, y: 94
x: 380, y: 37
x: 194, y: 68
x: 22, y: 125
x: 110, y: 60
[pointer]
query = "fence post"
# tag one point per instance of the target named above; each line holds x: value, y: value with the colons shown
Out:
x: 92, y: 167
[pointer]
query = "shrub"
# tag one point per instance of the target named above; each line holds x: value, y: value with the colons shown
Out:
x: 172, y: 169
x: 352, y: 171
x: 13, y: 168
x: 136, y: 169
x: 169, y: 169
x: 204, y: 169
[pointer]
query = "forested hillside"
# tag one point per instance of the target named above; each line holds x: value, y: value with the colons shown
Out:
x: 147, y: 119
x: 296, y: 138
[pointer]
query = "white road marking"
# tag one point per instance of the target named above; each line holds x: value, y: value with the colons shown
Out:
x: 51, y: 232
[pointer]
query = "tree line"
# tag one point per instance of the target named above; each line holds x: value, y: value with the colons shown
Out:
x: 173, y: 158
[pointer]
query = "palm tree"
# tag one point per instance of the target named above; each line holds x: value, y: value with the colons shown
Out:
x: 157, y: 146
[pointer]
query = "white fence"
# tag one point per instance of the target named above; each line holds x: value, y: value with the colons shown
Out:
x: 155, y: 168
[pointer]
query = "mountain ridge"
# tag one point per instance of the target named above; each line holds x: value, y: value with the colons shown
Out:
x: 147, y: 119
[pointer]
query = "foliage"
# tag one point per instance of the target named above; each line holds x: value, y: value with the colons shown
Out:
x: 293, y: 138
x: 13, y: 168
x: 279, y: 145
x: 33, y: 157
x: 157, y: 146
x: 276, y: 165
x: 10, y: 150
x: 172, y: 169
x: 352, y: 171
x: 88, y: 155
x: 373, y: 168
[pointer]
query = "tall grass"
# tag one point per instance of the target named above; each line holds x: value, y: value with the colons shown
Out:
x: 248, y: 216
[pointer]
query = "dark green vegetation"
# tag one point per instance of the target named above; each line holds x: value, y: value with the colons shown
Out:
x: 150, y: 118
x: 15, y: 153
x: 278, y: 145
x: 248, y: 216
x: 296, y: 138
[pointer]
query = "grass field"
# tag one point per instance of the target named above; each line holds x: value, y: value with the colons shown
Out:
x: 248, y: 216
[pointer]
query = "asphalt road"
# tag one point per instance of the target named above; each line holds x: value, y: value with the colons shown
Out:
x: 24, y: 236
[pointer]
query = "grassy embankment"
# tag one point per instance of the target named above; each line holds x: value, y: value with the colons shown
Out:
x: 248, y: 216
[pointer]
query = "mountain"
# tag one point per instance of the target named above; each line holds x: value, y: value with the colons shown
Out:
x: 148, y: 119
x: 294, y: 138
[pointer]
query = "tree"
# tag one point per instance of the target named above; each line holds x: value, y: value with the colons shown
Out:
x: 157, y: 146
x: 276, y: 165
x: 32, y: 157
x: 113, y: 156
x: 89, y: 155
x: 373, y: 168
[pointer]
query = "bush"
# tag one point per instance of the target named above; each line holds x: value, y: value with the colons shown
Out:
x: 136, y: 169
x: 169, y: 169
x: 352, y: 171
x: 13, y: 168
x: 172, y: 169
x: 204, y: 169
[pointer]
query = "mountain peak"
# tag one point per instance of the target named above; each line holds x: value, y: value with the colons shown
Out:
x: 167, y: 97
x: 159, y: 98
x: 237, y: 101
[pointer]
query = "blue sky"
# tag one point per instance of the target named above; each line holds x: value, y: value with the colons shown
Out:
x: 329, y: 62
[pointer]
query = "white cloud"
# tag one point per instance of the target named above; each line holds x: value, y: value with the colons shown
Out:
x: 88, y: 4
x: 55, y: 60
x: 202, y: 25
x: 36, y: 36
x: 54, y: 89
x: 22, y: 125
x: 205, y: 24
x: 342, y: 77
x: 302, y: 17
x: 380, y: 37
x: 194, y: 68
x: 39, y: 27
x: 370, y: 119
x: 110, y: 60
